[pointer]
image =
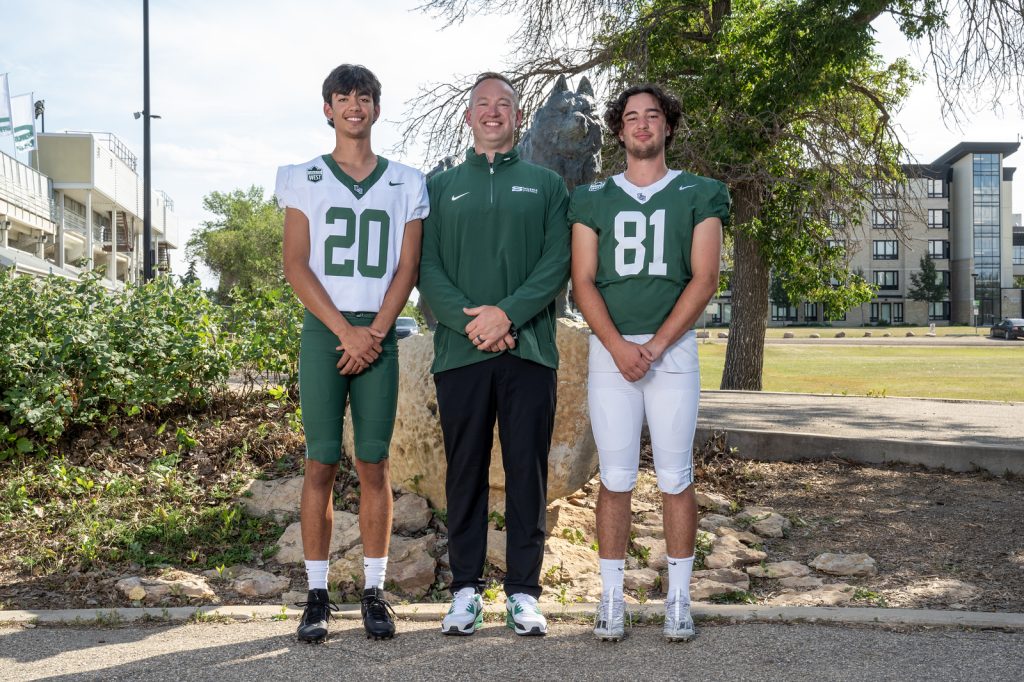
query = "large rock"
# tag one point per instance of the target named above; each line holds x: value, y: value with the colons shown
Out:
x: 656, y: 557
x: 496, y: 548
x: 417, y: 449
x: 563, y: 515
x: 565, y: 561
x: 411, y: 565
x: 171, y: 584
x: 728, y: 576
x: 765, y: 521
x: 278, y: 498
x: 411, y: 514
x: 728, y: 552
x: 703, y: 589
x: 720, y: 504
x: 844, y: 564
x: 779, y: 569
x: 942, y: 589
x: 344, y: 534
x: 713, y: 522
x: 347, y: 571
x: 826, y: 595
x: 743, y: 536
x: 641, y: 579
x: 804, y: 583
x: 256, y: 583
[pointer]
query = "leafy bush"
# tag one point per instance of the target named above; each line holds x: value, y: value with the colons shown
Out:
x: 77, y: 353
x: 265, y: 327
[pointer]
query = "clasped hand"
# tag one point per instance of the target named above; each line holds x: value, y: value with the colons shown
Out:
x: 360, y: 346
x: 489, y: 329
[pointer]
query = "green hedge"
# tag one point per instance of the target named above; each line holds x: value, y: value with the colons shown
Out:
x: 76, y: 353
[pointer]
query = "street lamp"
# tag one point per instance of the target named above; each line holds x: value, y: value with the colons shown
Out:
x: 974, y: 300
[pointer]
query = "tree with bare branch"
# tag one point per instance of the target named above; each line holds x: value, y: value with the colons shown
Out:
x: 787, y: 101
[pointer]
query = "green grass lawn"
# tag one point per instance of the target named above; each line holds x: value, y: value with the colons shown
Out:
x: 926, y: 372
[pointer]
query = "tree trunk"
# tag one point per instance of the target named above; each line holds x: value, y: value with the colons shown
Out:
x: 744, y: 355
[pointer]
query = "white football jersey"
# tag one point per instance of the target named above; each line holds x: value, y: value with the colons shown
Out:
x: 355, y: 228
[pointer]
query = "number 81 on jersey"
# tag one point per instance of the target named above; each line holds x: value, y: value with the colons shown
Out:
x: 631, y: 241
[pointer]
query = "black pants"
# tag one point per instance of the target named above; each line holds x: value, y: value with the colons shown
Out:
x: 521, y: 395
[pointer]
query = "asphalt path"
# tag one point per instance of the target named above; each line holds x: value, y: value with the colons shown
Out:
x: 267, y: 650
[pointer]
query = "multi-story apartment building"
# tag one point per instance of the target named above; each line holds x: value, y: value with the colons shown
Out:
x: 958, y: 210
x: 79, y: 206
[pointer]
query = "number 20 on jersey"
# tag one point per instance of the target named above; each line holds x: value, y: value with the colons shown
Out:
x: 372, y: 225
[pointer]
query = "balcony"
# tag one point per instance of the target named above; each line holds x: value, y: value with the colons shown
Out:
x: 26, y: 194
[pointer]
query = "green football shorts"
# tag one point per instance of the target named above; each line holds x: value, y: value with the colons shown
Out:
x: 323, y: 392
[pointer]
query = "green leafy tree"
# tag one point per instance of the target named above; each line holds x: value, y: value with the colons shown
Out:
x: 243, y: 244
x: 925, y: 284
x: 787, y: 101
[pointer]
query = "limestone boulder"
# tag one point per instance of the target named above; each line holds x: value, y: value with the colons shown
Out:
x: 173, y: 584
x: 729, y: 576
x: 808, y: 582
x: 743, y: 536
x: 278, y: 498
x: 779, y: 569
x: 834, y: 594
x: 496, y: 543
x: 411, y: 514
x: 703, y: 589
x: 641, y: 579
x: 417, y: 449
x: 944, y: 590
x: 844, y: 564
x: 564, y: 515
x: 346, y: 572
x: 728, y: 552
x: 344, y: 534
x: 655, y: 547
x: 720, y: 504
x: 712, y: 522
x: 565, y: 561
x: 765, y: 521
x: 411, y: 565
x: 256, y: 583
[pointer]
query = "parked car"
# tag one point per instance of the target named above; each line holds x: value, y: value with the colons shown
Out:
x: 1010, y: 328
x: 406, y: 326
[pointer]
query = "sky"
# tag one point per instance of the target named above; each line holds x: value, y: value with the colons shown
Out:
x: 237, y: 84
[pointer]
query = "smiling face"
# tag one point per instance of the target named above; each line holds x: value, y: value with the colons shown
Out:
x: 644, y: 128
x: 493, y: 115
x: 353, y: 113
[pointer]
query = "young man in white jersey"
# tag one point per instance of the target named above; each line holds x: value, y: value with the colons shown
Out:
x: 352, y: 234
x: 646, y: 246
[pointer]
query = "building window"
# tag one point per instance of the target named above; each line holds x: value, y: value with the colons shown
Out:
x: 938, y: 218
x: 1018, y: 254
x: 887, y: 280
x: 811, y: 312
x: 885, y: 249
x: 942, y: 277
x: 783, y: 313
x: 938, y: 249
x: 882, y: 190
x: 883, y: 219
x: 886, y: 313
x: 938, y: 310
x: 936, y: 188
x: 836, y: 244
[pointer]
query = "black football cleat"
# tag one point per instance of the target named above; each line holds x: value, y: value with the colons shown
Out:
x: 317, y: 611
x: 377, y: 620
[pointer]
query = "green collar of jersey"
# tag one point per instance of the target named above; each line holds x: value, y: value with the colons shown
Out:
x: 500, y: 158
x: 358, y: 189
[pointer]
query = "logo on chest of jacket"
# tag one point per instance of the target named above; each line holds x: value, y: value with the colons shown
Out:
x: 595, y: 186
x: 531, y: 190
x: 315, y: 174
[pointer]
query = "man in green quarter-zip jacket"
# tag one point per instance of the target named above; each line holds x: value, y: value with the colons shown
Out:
x: 495, y: 255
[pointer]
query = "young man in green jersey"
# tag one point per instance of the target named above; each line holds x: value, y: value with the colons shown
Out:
x: 495, y: 255
x: 646, y: 246
x: 352, y: 233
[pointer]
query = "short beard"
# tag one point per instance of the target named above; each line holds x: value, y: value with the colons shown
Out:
x: 649, y: 151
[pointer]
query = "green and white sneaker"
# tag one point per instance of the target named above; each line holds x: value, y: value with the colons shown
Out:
x: 678, y: 623
x: 522, y: 614
x: 466, y: 615
x: 610, y: 619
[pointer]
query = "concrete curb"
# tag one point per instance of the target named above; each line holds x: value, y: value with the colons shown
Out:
x: 435, y: 612
x: 790, y: 446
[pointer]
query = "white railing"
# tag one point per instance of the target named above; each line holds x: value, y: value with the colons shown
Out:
x: 26, y: 187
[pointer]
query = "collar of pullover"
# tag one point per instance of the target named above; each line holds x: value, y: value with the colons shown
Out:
x: 500, y: 158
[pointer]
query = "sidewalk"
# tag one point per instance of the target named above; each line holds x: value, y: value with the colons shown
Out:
x: 743, y: 652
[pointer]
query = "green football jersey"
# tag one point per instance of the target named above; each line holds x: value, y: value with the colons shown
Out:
x: 644, y: 236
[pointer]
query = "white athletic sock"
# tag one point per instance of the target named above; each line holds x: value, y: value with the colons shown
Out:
x: 679, y: 571
x: 374, y: 569
x: 612, y: 575
x: 316, y: 574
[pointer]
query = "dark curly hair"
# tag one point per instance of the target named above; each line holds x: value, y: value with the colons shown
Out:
x: 669, y: 106
x: 349, y: 77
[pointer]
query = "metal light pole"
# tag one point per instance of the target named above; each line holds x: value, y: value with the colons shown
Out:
x: 147, y: 180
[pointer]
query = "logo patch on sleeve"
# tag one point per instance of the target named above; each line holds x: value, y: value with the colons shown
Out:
x: 314, y: 174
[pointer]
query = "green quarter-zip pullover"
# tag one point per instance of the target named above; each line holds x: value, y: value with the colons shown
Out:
x: 497, y: 234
